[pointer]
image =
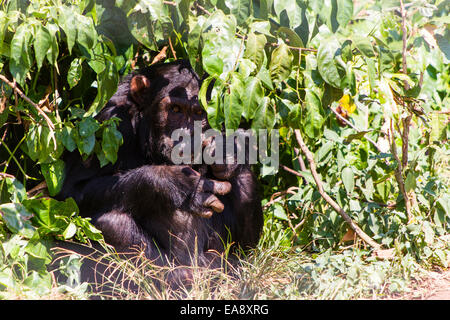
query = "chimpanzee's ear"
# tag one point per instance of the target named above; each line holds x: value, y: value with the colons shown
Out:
x: 138, y: 85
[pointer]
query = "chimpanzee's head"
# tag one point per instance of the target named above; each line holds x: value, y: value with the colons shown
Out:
x: 167, y: 97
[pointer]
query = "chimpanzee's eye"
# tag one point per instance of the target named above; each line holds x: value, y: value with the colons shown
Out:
x: 175, y: 108
x: 198, y: 112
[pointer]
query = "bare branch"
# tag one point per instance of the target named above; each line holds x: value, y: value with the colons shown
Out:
x: 172, y: 50
x: 298, y: 174
x: 24, y: 97
x: 327, y: 198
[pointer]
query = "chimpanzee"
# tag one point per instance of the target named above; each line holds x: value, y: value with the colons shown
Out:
x: 144, y: 199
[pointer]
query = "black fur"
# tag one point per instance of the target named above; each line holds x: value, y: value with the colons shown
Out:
x: 143, y: 199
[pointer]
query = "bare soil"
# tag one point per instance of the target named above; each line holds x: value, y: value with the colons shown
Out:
x: 434, y: 286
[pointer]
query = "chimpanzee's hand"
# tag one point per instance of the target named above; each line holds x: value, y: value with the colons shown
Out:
x: 202, y: 193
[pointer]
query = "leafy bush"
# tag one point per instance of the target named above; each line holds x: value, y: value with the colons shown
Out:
x: 365, y: 85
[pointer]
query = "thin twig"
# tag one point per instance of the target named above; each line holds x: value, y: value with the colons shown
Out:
x: 405, y: 139
x: 172, y: 50
x: 398, y: 171
x: 298, y: 174
x: 301, y: 163
x: 4, y: 175
x: 327, y: 198
x: 202, y: 9
x: 300, y: 159
x: 24, y: 97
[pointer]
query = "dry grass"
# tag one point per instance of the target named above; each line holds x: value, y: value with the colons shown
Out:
x: 270, y: 271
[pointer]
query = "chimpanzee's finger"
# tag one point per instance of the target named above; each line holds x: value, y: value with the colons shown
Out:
x: 213, y: 202
x: 205, y: 213
x: 214, y: 186
x: 188, y: 171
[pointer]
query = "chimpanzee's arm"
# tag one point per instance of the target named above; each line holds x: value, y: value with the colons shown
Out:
x: 158, y: 190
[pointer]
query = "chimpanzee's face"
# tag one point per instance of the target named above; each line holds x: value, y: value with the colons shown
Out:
x: 168, y: 98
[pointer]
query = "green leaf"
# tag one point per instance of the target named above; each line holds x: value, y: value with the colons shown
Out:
x: 281, y: 63
x: 75, y: 72
x: 344, y: 12
x: 53, y: 51
x: 89, y: 230
x: 327, y: 64
x: 254, y: 50
x: 39, y: 249
x: 107, y: 82
x: 290, y: 9
x: 54, y: 176
x: 279, y: 212
x: 16, y: 217
x: 194, y: 40
x: 86, y: 33
x: 444, y: 202
x: 348, y: 178
x: 364, y: 45
x: 139, y: 25
x: 215, y: 114
x: 443, y: 42
x: 221, y: 48
x: 16, y: 190
x: 253, y: 94
x: 21, y: 46
x: 428, y: 232
x: 212, y: 62
x: 314, y: 115
x: 20, y: 53
x: 438, y: 127
x: 68, y: 138
x: 233, y: 106
x: 324, y: 150
x: 264, y: 117
x: 239, y: 8
x: 264, y: 76
x: 42, y: 43
x: 39, y: 283
x: 410, y: 181
x: 260, y: 26
x: 294, y: 39
x: 70, y: 231
x: 371, y: 73
x: 67, y: 22
x: 87, y: 127
x: 86, y: 145
x: 111, y: 141
x: 19, y: 71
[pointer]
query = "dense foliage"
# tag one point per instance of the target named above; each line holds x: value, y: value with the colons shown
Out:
x: 366, y: 84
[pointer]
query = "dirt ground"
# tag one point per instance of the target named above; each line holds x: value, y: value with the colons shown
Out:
x: 435, y: 286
